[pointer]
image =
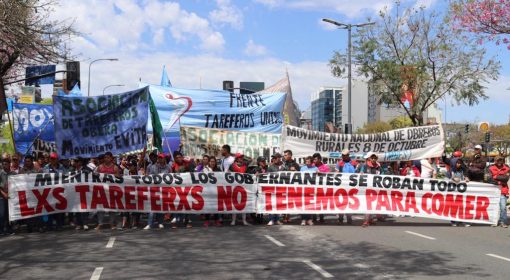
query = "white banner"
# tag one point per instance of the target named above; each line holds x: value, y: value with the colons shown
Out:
x: 278, y: 193
x: 401, y: 144
x: 198, y: 141
x: 32, y: 195
x: 333, y: 193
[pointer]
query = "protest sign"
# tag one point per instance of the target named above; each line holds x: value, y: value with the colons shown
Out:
x: 219, y: 109
x: 32, y: 121
x: 89, y: 126
x: 332, y: 193
x: 402, y: 144
x: 278, y: 193
x: 40, y: 194
x: 40, y: 147
x: 198, y: 141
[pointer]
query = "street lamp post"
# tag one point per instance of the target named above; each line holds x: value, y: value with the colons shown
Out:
x: 348, y: 128
x: 109, y: 59
x: 111, y: 86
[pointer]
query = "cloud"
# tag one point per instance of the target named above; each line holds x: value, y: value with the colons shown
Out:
x: 208, y: 71
x: 122, y: 24
x: 227, y: 14
x: 253, y: 49
x: 349, y: 8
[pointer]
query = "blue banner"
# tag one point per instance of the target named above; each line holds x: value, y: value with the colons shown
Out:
x: 31, y: 121
x: 90, y: 126
x: 219, y: 109
x: 32, y: 71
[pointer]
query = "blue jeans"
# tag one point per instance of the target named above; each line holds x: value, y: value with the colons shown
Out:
x: 274, y: 217
x: 150, y: 219
x: 502, y: 207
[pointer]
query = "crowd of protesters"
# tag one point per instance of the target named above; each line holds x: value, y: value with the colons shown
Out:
x: 459, y: 169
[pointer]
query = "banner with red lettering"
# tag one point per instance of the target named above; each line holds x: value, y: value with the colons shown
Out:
x: 32, y: 195
x: 278, y: 193
x: 333, y: 193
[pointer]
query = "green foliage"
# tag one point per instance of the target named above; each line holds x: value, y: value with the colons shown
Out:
x: 7, y: 135
x: 417, y: 50
x: 47, y: 101
x: 374, y: 127
x: 401, y: 122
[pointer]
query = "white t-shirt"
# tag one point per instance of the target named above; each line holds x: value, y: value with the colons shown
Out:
x: 427, y: 170
x: 226, y: 163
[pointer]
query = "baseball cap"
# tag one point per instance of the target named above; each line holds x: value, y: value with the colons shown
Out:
x: 53, y: 155
x: 277, y: 155
x: 369, y: 155
x: 261, y: 159
x: 479, y: 147
x: 239, y: 155
x: 161, y: 155
x: 345, y: 152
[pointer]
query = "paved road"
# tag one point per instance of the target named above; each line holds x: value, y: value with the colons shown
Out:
x: 408, y: 248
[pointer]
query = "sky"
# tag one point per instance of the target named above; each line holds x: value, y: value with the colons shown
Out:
x: 204, y: 42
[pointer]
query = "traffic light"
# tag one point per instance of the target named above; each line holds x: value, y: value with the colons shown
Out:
x: 466, y: 128
x: 487, y: 137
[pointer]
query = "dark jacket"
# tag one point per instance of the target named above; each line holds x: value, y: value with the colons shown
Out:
x: 476, y: 168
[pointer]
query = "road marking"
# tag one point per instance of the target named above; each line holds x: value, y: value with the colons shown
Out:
x: 420, y: 235
x: 319, y: 269
x: 274, y: 241
x: 97, y: 273
x: 498, y: 257
x: 110, y: 242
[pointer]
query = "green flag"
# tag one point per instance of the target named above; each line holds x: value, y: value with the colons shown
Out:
x: 157, y: 129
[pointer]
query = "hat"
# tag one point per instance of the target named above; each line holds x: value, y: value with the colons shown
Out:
x: 161, y: 155
x: 277, y: 155
x: 261, y: 159
x: 457, y: 154
x: 239, y: 155
x: 345, y: 152
x: 369, y: 155
x: 54, y: 155
x: 479, y: 147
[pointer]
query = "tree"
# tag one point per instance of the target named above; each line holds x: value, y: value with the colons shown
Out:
x: 401, y: 122
x: 5, y: 133
x: 416, y: 54
x: 501, y: 139
x: 490, y: 19
x: 374, y: 127
x: 27, y: 36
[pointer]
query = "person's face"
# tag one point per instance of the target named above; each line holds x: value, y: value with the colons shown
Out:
x: 161, y: 161
x: 263, y: 163
x: 29, y: 162
x: 153, y: 158
x: 224, y: 152
x: 373, y: 159
x: 6, y: 165
x: 53, y: 161
x: 277, y: 160
x: 316, y: 160
x: 500, y: 163
x: 287, y: 156
x: 308, y: 162
x: 345, y: 157
x: 478, y: 151
x: 107, y: 159
x: 205, y: 161
x: 239, y: 161
x: 212, y: 163
x: 178, y: 159
x: 458, y: 164
x: 15, y: 160
x: 124, y: 161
